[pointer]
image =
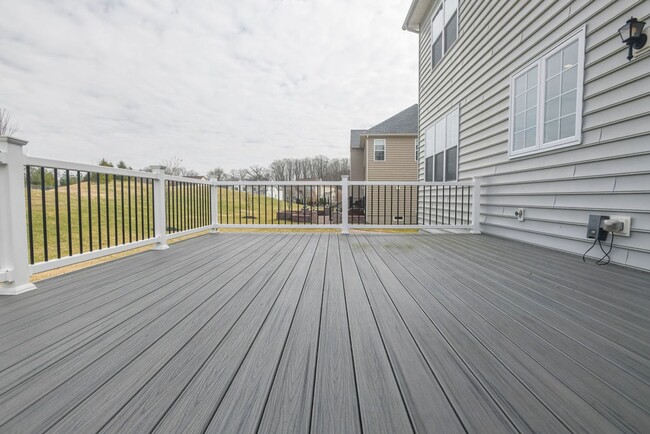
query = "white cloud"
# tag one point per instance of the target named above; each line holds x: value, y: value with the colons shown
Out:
x: 216, y: 83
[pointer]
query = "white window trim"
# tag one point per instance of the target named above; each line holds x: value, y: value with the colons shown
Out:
x: 374, y: 149
x: 540, y: 146
x: 417, y: 146
x: 440, y: 9
x: 432, y: 151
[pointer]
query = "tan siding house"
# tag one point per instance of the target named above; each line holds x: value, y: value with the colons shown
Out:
x: 539, y: 99
x: 385, y: 152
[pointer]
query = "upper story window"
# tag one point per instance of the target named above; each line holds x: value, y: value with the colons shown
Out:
x: 380, y: 149
x: 444, y: 29
x: 441, y: 149
x: 546, y: 100
x: 417, y: 149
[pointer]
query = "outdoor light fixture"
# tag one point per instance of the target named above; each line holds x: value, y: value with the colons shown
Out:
x: 632, y: 36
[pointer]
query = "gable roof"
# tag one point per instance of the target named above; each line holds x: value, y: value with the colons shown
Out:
x: 404, y: 122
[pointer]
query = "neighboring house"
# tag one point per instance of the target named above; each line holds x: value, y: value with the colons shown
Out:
x: 539, y: 99
x: 197, y: 177
x: 274, y: 192
x: 385, y: 152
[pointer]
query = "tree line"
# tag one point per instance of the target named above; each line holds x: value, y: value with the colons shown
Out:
x: 289, y: 169
x: 286, y: 169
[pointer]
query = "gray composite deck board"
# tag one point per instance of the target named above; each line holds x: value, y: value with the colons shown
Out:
x: 335, y: 406
x: 300, y: 332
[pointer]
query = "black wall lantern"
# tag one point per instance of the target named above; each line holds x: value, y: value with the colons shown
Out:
x: 631, y: 34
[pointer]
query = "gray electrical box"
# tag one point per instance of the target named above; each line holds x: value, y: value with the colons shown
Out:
x: 594, y: 229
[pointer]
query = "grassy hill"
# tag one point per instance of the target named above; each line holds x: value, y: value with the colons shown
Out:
x: 128, y: 221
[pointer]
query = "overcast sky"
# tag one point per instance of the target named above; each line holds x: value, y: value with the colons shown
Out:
x: 215, y: 83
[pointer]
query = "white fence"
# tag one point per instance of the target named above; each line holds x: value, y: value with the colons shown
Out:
x: 57, y: 213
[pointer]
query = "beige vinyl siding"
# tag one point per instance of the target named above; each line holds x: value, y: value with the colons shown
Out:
x: 357, y: 168
x: 399, y: 164
x: 383, y: 206
x: 608, y: 173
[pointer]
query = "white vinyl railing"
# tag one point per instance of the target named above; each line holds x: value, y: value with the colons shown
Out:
x: 57, y: 213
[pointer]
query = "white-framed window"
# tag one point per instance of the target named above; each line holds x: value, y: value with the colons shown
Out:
x: 416, y: 143
x: 444, y: 30
x: 546, y: 100
x: 441, y: 149
x: 379, y: 149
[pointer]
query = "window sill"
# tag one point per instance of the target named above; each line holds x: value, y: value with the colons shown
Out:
x: 512, y: 155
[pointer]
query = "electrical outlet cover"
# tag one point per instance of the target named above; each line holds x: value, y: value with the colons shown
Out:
x: 627, y: 221
x: 594, y: 227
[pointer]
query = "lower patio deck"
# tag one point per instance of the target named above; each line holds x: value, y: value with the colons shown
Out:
x: 323, y: 333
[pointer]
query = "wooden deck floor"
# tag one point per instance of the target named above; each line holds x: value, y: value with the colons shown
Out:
x: 331, y: 334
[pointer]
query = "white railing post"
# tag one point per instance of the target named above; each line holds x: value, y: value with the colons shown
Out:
x: 214, y: 206
x: 345, y: 224
x: 476, y: 206
x: 159, y: 212
x: 14, y: 262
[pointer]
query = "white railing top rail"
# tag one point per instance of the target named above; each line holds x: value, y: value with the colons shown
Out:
x: 68, y: 165
x: 328, y: 183
x: 186, y: 179
x: 413, y: 183
x: 277, y: 183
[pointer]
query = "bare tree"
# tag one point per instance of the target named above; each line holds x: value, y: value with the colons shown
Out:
x: 175, y: 167
x: 278, y: 169
x: 218, y: 173
x: 7, y: 126
x: 258, y: 173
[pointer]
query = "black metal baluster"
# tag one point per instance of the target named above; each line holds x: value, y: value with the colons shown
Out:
x: 259, y: 206
x: 81, y: 237
x: 128, y: 187
x: 56, y: 213
x: 168, y: 206
x: 455, y: 204
x: 398, y: 188
x: 385, y: 207
x: 430, y: 201
x: 443, y: 205
x: 67, y: 182
x: 462, y: 204
x: 90, y: 212
x: 239, y: 195
x: 153, y: 211
x: 29, y: 213
x: 148, y: 213
x: 108, y: 213
x: 122, y: 207
x: 44, y: 210
x: 99, y: 213
x: 469, y: 207
x: 142, y: 207
x: 135, y: 202
x: 179, y: 205
x: 392, y: 190
x: 172, y: 204
x: 115, y: 209
x: 246, y: 209
x: 372, y: 203
x: 436, y: 204
x: 410, y: 204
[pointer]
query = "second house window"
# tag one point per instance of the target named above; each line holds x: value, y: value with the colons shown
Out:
x: 441, y: 160
x: 444, y: 30
x: 380, y: 149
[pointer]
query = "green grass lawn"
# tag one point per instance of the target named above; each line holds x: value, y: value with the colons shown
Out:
x: 121, y: 212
